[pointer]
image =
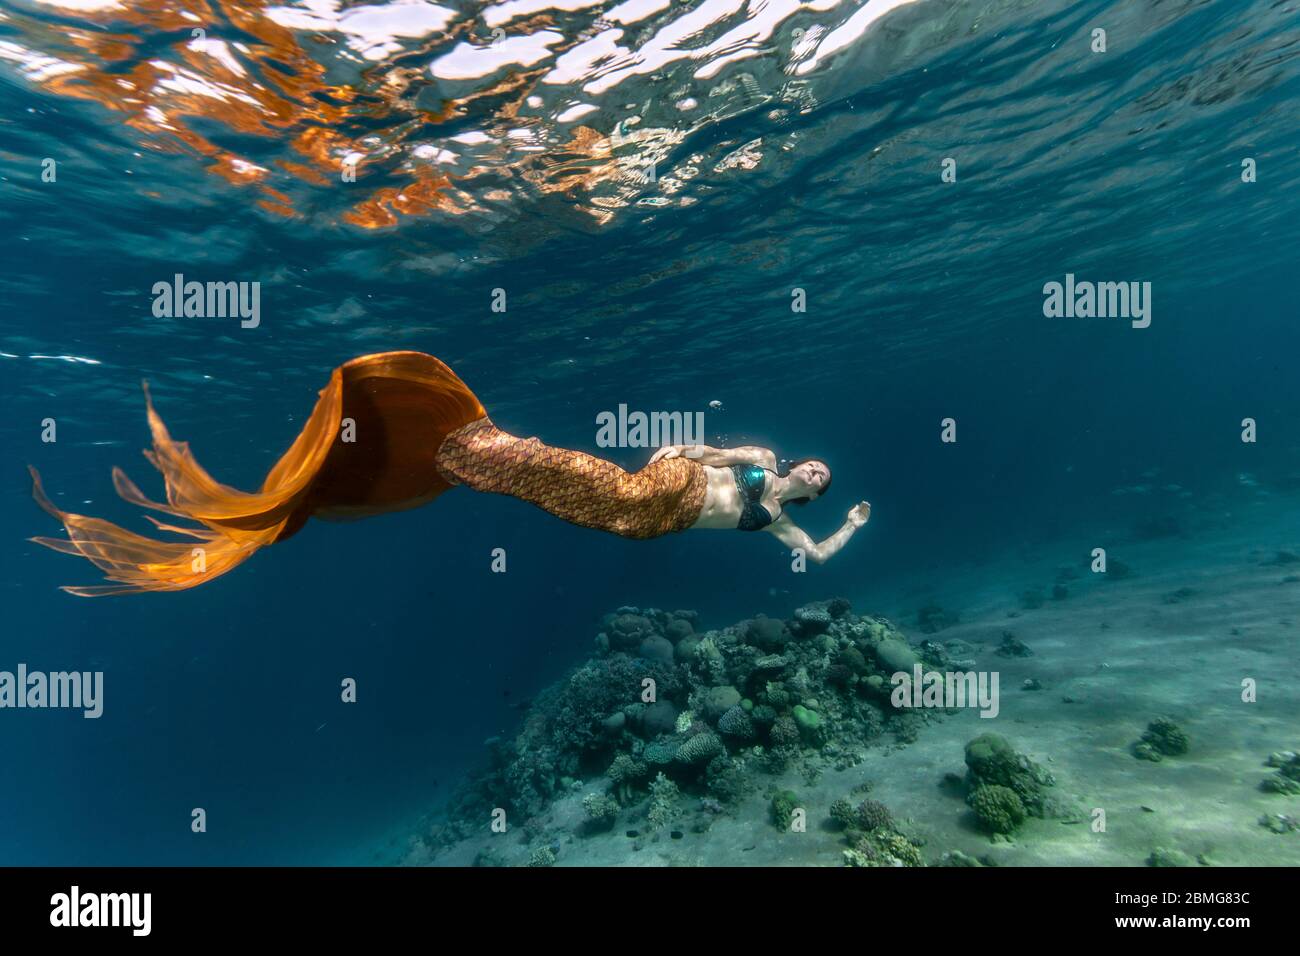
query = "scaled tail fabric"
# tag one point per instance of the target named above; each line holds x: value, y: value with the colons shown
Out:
x: 662, y: 497
x: 390, y: 431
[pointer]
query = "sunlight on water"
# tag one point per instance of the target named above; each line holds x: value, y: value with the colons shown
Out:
x: 457, y: 113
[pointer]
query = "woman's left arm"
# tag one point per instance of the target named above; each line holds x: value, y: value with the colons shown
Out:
x: 792, y: 536
x: 719, y: 457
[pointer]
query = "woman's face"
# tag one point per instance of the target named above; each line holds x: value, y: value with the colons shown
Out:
x: 811, y: 476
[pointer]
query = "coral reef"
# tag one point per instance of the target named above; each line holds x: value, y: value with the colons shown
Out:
x: 700, y: 749
x: 1005, y: 787
x: 1279, y: 823
x: 873, y: 836
x: 542, y: 856
x: 736, y: 723
x: 873, y: 815
x: 1167, y: 856
x: 602, y: 810
x: 1013, y: 646
x: 998, y: 808
x: 782, y: 808
x: 624, y: 773
x: 663, y: 802
x: 646, y: 727
x: 1287, y: 778
x: 843, y: 814
x: 866, y: 817
x: 1162, y: 738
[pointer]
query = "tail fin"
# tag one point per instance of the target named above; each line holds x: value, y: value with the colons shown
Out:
x: 369, y: 447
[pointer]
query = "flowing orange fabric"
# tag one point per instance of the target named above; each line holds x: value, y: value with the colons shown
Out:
x: 398, y: 407
x: 390, y: 431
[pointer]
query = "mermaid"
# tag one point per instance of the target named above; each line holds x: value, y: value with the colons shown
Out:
x: 393, y: 431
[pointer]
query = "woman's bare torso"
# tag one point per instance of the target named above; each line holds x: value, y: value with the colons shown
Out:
x: 722, y: 501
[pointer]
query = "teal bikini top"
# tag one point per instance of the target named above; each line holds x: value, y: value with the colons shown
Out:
x: 750, y: 482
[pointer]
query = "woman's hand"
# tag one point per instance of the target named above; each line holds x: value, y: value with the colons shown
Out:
x: 668, y: 451
x: 860, y: 514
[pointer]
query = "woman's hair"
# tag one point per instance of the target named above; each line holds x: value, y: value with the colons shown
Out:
x: 795, y: 464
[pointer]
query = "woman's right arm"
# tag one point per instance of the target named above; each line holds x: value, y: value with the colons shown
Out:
x: 819, y: 552
x: 719, y: 457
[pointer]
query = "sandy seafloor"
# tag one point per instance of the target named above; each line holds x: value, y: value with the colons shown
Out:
x: 1203, y: 611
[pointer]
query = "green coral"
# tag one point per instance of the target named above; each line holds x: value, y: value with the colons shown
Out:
x: 777, y: 696
x: 1144, y: 751
x: 542, y: 856
x: 625, y: 772
x: 1280, y: 784
x: 700, y: 749
x: 886, y: 848
x: 842, y: 813
x: 873, y: 815
x: 1287, y: 778
x: 661, y: 752
x: 1167, y: 856
x: 1164, y: 737
x: 808, y: 721
x: 687, y: 649
x: 999, y: 808
x: 602, y: 810
x: 663, y: 801
x: 877, y: 630
x: 785, y: 732
x: 1287, y: 762
x: 988, y: 756
x: 906, y: 726
x: 726, y: 780
x: 896, y: 655
x: 900, y: 848
x: 708, y: 649
x: 994, y: 762
x: 716, y: 701
x: 852, y: 658
x: 708, y: 657
x: 784, y: 803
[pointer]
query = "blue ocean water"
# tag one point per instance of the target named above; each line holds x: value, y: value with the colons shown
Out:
x: 794, y: 147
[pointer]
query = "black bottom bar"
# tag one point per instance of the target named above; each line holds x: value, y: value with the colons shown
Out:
x: 208, y: 905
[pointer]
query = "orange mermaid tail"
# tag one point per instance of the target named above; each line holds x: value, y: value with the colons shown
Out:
x: 584, y: 490
x: 398, y: 406
x: 390, y: 431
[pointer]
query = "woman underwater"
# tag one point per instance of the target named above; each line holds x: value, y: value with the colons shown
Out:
x: 393, y: 431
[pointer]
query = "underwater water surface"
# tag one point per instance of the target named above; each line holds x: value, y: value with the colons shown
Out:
x: 827, y: 226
